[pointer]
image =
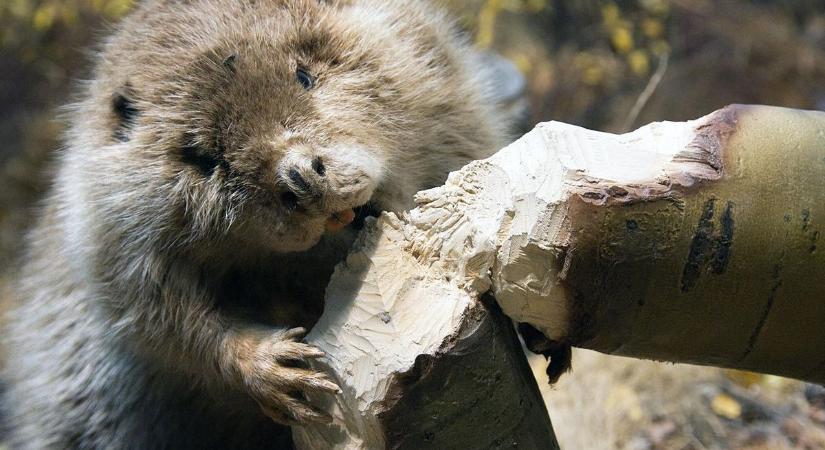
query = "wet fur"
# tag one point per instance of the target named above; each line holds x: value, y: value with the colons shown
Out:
x: 178, y: 247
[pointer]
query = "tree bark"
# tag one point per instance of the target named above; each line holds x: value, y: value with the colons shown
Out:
x: 694, y: 242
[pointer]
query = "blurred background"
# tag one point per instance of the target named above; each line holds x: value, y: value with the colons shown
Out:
x: 606, y: 65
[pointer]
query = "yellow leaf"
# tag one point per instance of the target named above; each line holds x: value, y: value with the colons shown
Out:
x: 638, y: 61
x: 653, y: 28
x: 622, y: 40
x: 726, y: 406
x: 44, y: 17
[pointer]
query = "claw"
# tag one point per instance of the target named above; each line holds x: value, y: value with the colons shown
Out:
x: 320, y: 382
x: 304, y: 412
x: 295, y: 333
x: 279, y: 416
x: 298, y: 351
x: 310, y: 351
x: 298, y: 414
x: 330, y: 387
x: 294, y: 412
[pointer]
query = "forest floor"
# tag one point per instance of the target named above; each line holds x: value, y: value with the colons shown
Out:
x: 618, y: 403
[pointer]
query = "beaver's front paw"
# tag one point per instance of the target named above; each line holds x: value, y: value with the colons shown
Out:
x: 277, y: 379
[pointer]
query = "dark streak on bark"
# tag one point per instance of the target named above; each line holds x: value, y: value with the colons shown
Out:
x: 710, y: 248
x: 724, y: 243
x: 699, y: 247
x: 776, y: 276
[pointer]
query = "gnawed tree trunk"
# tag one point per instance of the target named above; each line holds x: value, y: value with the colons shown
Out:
x: 692, y: 242
x: 422, y: 361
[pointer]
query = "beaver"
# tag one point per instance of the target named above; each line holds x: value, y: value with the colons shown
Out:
x: 186, y: 242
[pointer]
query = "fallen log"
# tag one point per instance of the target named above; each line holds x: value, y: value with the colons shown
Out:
x: 692, y: 242
x: 695, y: 242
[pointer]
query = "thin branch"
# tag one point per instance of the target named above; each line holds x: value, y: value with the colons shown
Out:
x: 645, y: 96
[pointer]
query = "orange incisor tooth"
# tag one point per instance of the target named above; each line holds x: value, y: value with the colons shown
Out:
x: 340, y: 220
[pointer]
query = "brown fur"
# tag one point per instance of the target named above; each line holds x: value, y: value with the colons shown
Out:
x: 183, y: 239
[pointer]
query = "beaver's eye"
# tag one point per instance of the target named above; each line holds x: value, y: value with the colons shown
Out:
x: 305, y: 79
x: 126, y: 113
x: 200, y: 159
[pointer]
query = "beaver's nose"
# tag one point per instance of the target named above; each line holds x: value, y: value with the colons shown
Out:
x: 326, y: 181
x: 304, y: 179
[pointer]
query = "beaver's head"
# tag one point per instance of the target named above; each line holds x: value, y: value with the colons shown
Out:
x: 262, y: 121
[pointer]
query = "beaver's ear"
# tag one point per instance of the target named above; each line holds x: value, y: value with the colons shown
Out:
x: 125, y: 112
x: 230, y: 62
